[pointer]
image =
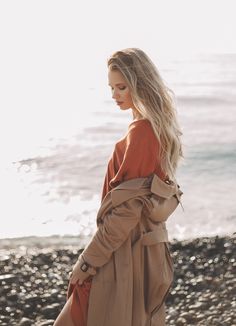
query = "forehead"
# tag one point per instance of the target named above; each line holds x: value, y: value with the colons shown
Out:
x: 115, y: 77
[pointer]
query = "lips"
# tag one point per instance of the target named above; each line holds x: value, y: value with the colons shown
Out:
x: 119, y: 103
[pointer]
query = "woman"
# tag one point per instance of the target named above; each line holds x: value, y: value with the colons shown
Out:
x: 120, y: 279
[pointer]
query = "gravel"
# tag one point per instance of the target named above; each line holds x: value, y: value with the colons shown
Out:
x: 34, y: 280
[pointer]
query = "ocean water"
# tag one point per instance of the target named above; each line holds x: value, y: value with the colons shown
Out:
x: 53, y: 164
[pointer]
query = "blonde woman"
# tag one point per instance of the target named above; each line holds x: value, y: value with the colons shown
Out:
x: 124, y: 274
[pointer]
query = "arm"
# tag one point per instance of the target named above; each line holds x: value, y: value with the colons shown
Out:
x: 113, y: 232
x: 108, y: 238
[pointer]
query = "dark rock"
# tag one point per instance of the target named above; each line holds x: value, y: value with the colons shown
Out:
x: 26, y: 322
x: 4, y: 319
x: 32, y: 299
x: 47, y: 323
x: 188, y: 316
x: 4, y: 258
x: 7, y: 278
x: 27, y: 309
x: 12, y: 296
x: 181, y: 321
x: 51, y: 311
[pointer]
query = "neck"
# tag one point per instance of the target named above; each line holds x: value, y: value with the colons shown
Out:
x: 136, y: 115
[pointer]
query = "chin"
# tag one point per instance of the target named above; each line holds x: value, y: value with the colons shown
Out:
x: 123, y: 107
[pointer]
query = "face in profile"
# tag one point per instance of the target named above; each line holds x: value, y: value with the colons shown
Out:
x: 120, y: 90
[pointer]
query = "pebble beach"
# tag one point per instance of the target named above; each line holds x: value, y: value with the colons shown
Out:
x: 34, y: 280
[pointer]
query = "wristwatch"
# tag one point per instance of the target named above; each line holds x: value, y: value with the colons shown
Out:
x: 85, y: 267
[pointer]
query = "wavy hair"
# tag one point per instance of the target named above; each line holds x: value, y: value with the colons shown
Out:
x: 153, y: 101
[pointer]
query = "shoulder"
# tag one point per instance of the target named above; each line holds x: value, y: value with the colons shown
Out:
x: 141, y: 128
x: 140, y: 124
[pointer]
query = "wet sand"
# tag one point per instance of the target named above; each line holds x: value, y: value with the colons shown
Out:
x: 34, y: 279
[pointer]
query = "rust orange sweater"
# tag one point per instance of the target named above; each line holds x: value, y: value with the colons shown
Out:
x: 135, y: 155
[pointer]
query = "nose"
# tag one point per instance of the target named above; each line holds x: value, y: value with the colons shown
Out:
x: 115, y: 94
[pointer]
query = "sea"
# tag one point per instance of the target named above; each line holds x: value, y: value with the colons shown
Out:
x: 54, y: 159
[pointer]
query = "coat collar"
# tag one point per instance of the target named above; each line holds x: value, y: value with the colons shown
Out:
x: 131, y: 188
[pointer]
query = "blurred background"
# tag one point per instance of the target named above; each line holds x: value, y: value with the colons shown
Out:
x: 59, y: 123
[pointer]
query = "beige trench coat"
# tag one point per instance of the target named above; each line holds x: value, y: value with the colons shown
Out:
x: 131, y: 254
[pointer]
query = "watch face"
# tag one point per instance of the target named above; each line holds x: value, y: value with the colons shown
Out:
x: 84, y: 267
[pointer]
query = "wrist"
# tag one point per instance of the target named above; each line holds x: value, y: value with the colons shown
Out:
x: 86, y: 267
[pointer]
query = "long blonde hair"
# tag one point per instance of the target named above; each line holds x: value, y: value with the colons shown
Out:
x: 152, y: 99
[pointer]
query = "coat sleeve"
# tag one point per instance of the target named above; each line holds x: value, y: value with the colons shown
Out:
x: 113, y: 232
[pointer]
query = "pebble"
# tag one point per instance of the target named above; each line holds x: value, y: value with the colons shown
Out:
x: 188, y: 316
x: 26, y: 322
x: 181, y: 321
x: 47, y: 323
x: 51, y: 311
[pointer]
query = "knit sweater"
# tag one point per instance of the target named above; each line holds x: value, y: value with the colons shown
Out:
x: 135, y: 155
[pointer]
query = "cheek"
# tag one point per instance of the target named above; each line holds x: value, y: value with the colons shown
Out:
x: 127, y: 97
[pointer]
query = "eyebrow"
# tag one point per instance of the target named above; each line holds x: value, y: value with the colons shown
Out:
x: 117, y: 84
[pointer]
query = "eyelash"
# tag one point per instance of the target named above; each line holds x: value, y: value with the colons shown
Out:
x: 122, y: 88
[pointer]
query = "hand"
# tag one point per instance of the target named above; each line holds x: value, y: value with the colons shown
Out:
x: 79, y: 275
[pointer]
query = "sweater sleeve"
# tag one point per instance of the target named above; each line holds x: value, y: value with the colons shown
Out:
x: 141, y: 153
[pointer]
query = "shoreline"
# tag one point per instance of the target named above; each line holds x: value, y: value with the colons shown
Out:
x: 41, y: 242
x: 35, y: 279
x: 57, y: 240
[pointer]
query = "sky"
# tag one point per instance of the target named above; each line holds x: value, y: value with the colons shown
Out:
x: 40, y: 36
x: 53, y: 51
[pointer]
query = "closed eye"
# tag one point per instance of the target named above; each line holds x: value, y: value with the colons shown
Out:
x: 120, y: 88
